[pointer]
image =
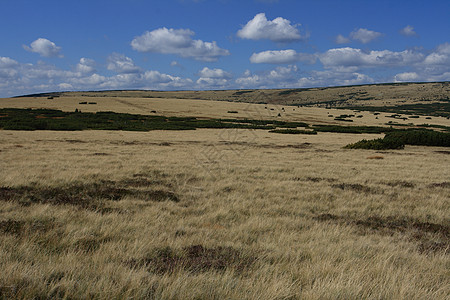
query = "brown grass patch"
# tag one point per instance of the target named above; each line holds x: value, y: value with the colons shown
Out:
x: 442, y: 152
x: 424, y: 232
x: 75, y: 141
x: 86, y: 195
x: 400, y: 183
x: 195, y: 259
x: 314, y: 179
x: 356, y: 187
x: 445, y: 184
x: 90, y: 244
x: 375, y: 157
x: 100, y: 154
x: 16, y: 227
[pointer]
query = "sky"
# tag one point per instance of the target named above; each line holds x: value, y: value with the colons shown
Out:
x: 62, y: 45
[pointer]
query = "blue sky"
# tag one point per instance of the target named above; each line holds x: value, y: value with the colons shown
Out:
x: 61, y: 45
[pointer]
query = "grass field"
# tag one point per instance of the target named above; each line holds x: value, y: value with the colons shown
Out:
x: 391, y: 94
x: 220, y: 213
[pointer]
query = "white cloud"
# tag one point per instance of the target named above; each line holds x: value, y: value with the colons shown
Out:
x: 408, y: 31
x: 21, y: 78
x: 86, y: 82
x: 179, y: 42
x: 441, y: 56
x: 44, y: 48
x: 351, y: 57
x: 65, y: 86
x: 157, y: 77
x: 6, y: 62
x: 406, y: 76
x: 86, y: 66
x: 174, y: 63
x: 8, y: 68
x: 364, y: 35
x: 277, y: 30
x: 212, y: 83
x: 341, y: 66
x: 278, y: 77
x: 281, y: 57
x: 439, y: 77
x: 122, y: 64
x: 334, y: 78
x: 213, y: 78
x: 213, y: 73
x: 340, y: 39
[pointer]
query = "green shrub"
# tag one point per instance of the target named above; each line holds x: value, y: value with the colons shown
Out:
x: 420, y: 137
x: 352, y: 129
x: 344, y: 120
x: 293, y: 131
x: 398, y: 139
x: 377, y: 144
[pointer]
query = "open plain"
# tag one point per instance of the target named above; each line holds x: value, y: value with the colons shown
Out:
x: 220, y: 213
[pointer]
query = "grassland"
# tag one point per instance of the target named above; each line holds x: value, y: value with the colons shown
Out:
x: 422, y: 94
x: 221, y: 213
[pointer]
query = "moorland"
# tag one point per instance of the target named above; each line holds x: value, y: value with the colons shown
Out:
x: 245, y: 194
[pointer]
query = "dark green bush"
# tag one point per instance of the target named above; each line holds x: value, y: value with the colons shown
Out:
x: 47, y: 119
x: 377, y: 144
x: 420, y: 137
x: 398, y: 139
x: 351, y: 129
x: 293, y: 131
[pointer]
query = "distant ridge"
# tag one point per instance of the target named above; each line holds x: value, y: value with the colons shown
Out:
x: 288, y: 90
x: 430, y: 97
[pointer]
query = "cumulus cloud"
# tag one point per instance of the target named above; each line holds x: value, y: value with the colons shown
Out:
x: 279, y: 77
x: 406, y: 76
x: 408, y: 31
x: 351, y: 57
x: 364, y: 35
x: 6, y: 62
x: 440, y: 56
x: 341, y: 66
x: 340, y: 39
x: 277, y: 30
x: 122, y: 64
x: 334, y: 77
x: 44, y: 48
x: 320, y: 78
x: 214, y: 73
x: 281, y: 57
x: 213, y: 78
x: 179, y: 42
x: 65, y: 86
x: 8, y: 68
x: 86, y: 66
x: 212, y: 83
x: 22, y: 78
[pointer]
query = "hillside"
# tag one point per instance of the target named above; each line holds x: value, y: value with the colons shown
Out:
x: 358, y: 95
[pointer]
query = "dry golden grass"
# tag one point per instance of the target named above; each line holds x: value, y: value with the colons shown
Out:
x: 359, y: 95
x: 209, y: 109
x: 243, y: 214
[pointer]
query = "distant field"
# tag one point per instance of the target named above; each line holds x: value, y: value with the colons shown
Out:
x: 392, y: 94
x: 218, y: 213
x: 123, y: 102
